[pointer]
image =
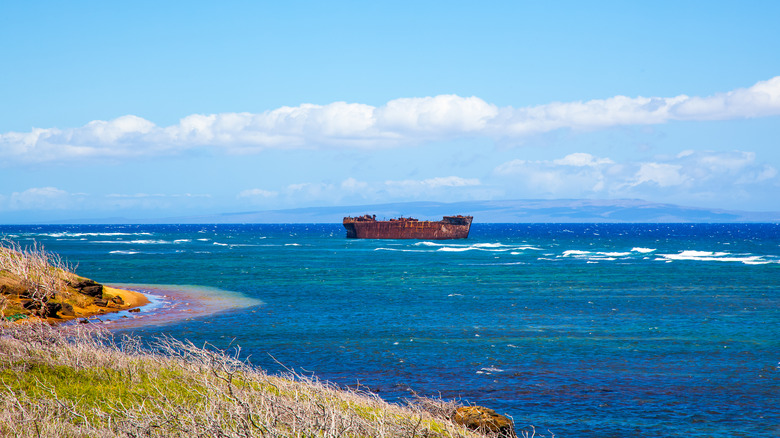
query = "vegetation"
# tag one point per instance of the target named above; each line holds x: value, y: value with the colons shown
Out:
x: 36, y: 283
x: 80, y: 382
x: 74, y: 381
x: 33, y: 274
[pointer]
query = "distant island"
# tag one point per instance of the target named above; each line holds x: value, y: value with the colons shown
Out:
x: 504, y: 211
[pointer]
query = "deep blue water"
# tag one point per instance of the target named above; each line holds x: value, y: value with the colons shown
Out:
x: 587, y: 330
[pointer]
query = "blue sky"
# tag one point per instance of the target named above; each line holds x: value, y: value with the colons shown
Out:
x: 158, y: 109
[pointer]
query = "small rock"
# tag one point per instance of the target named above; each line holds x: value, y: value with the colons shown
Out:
x: 67, y: 310
x: 95, y: 290
x: 52, y: 309
x: 100, y: 302
x: 117, y: 300
x: 136, y: 310
x: 31, y: 305
x: 484, y: 419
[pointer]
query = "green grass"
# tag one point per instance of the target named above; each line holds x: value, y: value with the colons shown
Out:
x: 79, y: 382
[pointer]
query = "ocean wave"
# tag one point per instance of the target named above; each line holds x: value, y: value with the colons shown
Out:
x: 642, y: 250
x: 486, y: 246
x: 489, y: 245
x: 711, y: 256
x: 398, y: 249
x: 134, y: 242
x: 182, y: 241
x: 124, y: 252
x: 68, y: 234
x: 595, y: 255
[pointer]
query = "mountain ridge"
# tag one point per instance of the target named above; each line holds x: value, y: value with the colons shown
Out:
x: 503, y: 211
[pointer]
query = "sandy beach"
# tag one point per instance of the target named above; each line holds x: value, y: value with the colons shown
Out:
x: 165, y: 304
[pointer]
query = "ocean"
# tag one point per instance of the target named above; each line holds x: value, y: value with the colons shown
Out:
x: 581, y: 330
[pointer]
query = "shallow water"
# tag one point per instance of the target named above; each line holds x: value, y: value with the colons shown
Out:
x: 583, y: 330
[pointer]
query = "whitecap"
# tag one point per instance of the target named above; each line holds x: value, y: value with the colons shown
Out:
x: 133, y: 242
x: 709, y: 256
x: 488, y: 245
x: 453, y: 249
x: 575, y: 252
x: 220, y: 244
x: 182, y: 241
x: 397, y: 249
x: 614, y: 254
x: 426, y: 243
x: 123, y: 252
x: 757, y: 262
x: 69, y: 234
x: 642, y: 250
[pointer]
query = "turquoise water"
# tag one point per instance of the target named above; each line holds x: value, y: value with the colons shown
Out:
x: 583, y: 330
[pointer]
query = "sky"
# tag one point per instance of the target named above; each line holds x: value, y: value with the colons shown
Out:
x: 150, y: 109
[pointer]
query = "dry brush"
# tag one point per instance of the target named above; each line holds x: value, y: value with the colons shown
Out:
x: 79, y: 382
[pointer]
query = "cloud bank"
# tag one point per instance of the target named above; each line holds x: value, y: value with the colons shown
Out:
x: 353, y: 125
x: 701, y: 176
x: 704, y: 175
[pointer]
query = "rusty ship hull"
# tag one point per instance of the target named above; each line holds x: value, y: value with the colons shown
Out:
x: 367, y: 227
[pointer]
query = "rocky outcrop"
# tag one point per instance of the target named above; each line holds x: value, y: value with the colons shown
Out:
x: 51, y: 309
x: 484, y: 420
x: 67, y: 310
x: 87, y: 287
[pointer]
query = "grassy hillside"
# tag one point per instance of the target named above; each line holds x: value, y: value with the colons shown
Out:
x: 77, y: 382
x: 38, y: 284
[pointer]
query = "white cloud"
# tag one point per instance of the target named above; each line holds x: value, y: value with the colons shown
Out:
x: 155, y: 195
x: 39, y: 198
x: 661, y: 174
x: 580, y: 159
x: 433, y: 183
x: 729, y: 174
x: 353, y: 185
x: 399, y: 122
x: 257, y: 193
x: 354, y: 191
x: 762, y: 99
x: 443, y: 115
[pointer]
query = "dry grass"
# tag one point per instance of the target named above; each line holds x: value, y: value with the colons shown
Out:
x: 78, y: 382
x: 41, y: 274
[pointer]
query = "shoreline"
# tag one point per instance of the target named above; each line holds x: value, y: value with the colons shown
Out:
x: 131, y: 300
x: 166, y: 304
